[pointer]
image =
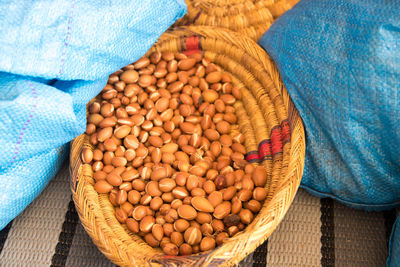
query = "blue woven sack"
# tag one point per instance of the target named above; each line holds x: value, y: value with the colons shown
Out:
x: 54, y: 57
x: 340, y: 61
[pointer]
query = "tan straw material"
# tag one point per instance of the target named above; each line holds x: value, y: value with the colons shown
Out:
x: 274, y: 137
x: 248, y: 17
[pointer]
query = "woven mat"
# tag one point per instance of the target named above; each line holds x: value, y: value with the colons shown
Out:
x: 315, y: 232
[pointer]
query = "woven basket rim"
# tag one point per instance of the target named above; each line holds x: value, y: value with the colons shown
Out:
x: 294, y: 168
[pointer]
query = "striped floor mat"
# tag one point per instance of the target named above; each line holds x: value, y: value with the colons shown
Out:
x: 315, y: 232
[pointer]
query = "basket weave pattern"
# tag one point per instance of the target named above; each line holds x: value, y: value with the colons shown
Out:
x: 274, y: 138
x: 248, y: 17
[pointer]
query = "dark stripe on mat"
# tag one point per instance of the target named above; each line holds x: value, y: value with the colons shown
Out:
x: 260, y: 255
x: 390, y: 218
x: 4, y: 235
x: 327, y: 233
x: 66, y: 236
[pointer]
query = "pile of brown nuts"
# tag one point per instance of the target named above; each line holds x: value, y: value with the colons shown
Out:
x: 167, y: 153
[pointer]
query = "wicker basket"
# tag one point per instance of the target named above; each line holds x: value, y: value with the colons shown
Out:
x: 274, y: 137
x: 249, y: 17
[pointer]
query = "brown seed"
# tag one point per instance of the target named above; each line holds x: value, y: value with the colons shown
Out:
x: 139, y: 213
x: 151, y: 240
x: 132, y: 225
x: 246, y: 216
x: 159, y: 174
x: 202, y: 204
x: 121, y: 197
x: 221, y: 237
x: 220, y: 182
x: 215, y: 198
x: 177, y: 238
x: 187, y: 212
x: 259, y: 193
x: 244, y: 195
x: 168, y: 229
x: 236, y: 205
x: 210, y: 96
x: 213, y: 77
x: 198, y: 192
x: 186, y: 64
x: 114, y: 179
x: 185, y: 249
x: 207, y: 243
x: 103, y: 187
x: 222, y: 210
x: 171, y: 249
x: 209, y: 187
x: 211, y: 134
x: 233, y: 230
x: 131, y: 141
x: 254, y: 205
x: 181, y: 225
x: 171, y: 216
x: 180, y: 192
x: 134, y: 197
x: 87, y: 155
x: 223, y: 127
x: 129, y: 76
x: 121, y: 215
x: 138, y: 185
x: 192, y: 235
x: 119, y: 161
x: 167, y: 184
x: 206, y: 229
x: 156, y: 203
x: 192, y: 182
x: 217, y: 225
x: 259, y: 176
x: 147, y: 223
x: 156, y: 155
x: 156, y: 141
x: 169, y: 148
x: 232, y: 219
x: 152, y: 189
x: 229, y: 193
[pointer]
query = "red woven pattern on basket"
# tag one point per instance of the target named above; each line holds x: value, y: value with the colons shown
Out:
x: 270, y: 147
x: 192, y: 45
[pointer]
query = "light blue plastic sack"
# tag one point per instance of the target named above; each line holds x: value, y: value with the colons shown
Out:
x: 340, y: 61
x: 54, y: 57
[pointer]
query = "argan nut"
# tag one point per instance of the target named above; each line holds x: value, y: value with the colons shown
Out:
x: 253, y: 205
x: 259, y: 193
x: 102, y: 187
x: 233, y: 230
x: 202, y: 204
x: 151, y: 240
x: 206, y: 229
x: 185, y: 249
x: 207, y: 243
x: 259, y: 176
x: 171, y: 249
x: 132, y: 225
x: 147, y: 223
x: 181, y: 225
x: 203, y: 217
x: 217, y: 225
x: 221, y: 237
x: 187, y: 212
x: 215, y: 198
x: 157, y: 231
x: 246, y: 216
x: 192, y: 235
x: 139, y: 213
x: 177, y: 238
x: 87, y: 155
x: 231, y: 220
x: 222, y: 210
